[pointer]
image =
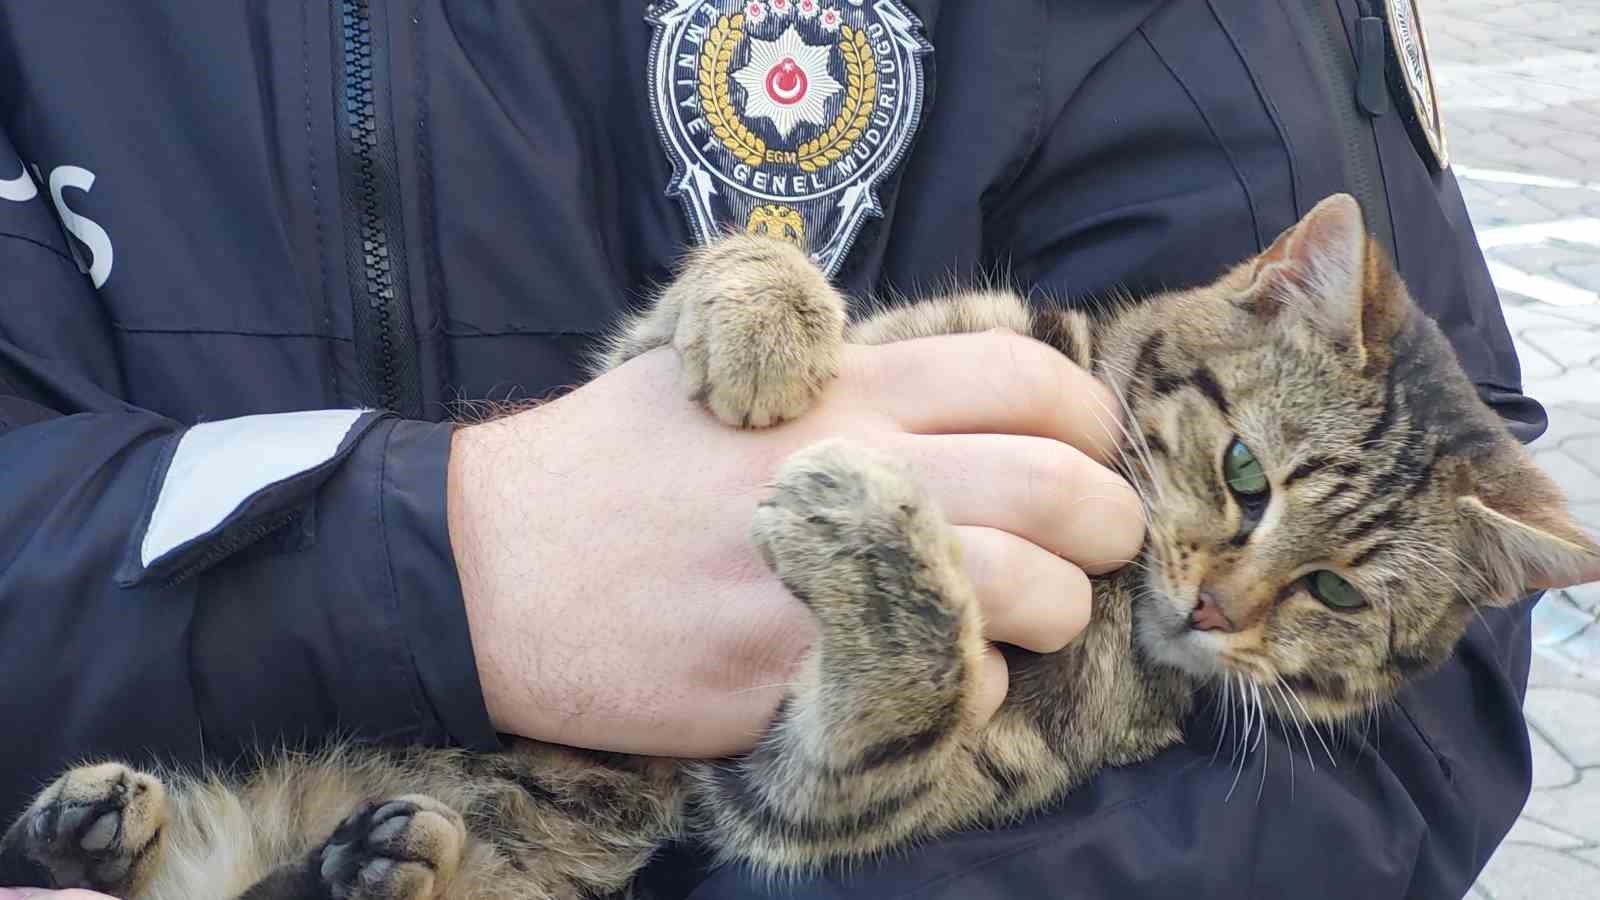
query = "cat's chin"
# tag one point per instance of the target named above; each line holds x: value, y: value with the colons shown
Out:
x: 1161, y: 629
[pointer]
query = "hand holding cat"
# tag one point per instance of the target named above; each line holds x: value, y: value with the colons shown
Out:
x: 615, y: 600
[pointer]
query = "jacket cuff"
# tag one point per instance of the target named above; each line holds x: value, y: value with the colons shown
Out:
x: 427, y: 589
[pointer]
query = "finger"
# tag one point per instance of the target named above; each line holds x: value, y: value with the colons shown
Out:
x: 993, y: 382
x: 1029, y: 596
x: 1040, y: 490
x: 994, y: 678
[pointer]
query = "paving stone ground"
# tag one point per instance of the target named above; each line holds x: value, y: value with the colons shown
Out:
x: 1519, y: 83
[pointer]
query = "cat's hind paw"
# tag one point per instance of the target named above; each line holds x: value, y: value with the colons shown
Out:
x: 96, y: 827
x: 402, y: 849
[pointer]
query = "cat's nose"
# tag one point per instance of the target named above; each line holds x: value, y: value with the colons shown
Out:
x: 1208, y: 614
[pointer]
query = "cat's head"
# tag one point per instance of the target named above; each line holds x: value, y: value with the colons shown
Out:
x: 1333, y: 499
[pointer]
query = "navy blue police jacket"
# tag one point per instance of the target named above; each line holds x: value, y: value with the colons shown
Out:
x: 228, y: 227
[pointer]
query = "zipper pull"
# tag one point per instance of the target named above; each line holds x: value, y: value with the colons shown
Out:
x: 1372, y: 57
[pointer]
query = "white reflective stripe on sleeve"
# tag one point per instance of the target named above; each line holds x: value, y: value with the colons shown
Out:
x: 218, y: 465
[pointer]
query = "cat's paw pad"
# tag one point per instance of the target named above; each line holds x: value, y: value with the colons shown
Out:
x: 95, y: 826
x: 847, y: 527
x: 760, y: 333
x: 403, y: 849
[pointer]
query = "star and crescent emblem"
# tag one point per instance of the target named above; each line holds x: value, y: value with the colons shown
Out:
x: 787, y: 82
x: 783, y: 117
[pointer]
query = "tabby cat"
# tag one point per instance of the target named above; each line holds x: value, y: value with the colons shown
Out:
x: 1307, y: 443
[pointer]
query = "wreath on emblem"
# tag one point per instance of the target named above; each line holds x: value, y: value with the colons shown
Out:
x: 784, y: 116
x: 716, y: 100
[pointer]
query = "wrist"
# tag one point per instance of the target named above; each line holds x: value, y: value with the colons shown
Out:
x: 464, y: 516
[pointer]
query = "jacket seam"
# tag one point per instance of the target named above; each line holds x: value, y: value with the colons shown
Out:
x: 1059, y: 111
x: 536, y: 332
x: 1439, y: 759
x: 1036, y: 131
x: 488, y: 84
x: 433, y: 279
x: 1272, y: 115
x: 316, y: 196
x: 139, y: 329
x: 42, y: 246
x: 1238, y: 174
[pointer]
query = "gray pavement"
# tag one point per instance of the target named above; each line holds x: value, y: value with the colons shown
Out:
x: 1519, y: 83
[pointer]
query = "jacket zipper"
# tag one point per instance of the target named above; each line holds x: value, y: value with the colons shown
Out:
x: 385, y: 339
x: 1351, y: 103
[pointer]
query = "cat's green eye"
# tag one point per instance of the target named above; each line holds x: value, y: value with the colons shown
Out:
x: 1243, y: 471
x: 1334, y: 591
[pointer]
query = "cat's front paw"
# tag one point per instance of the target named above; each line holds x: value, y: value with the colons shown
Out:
x: 96, y: 827
x: 760, y: 330
x: 856, y: 539
x: 852, y: 535
x: 403, y: 849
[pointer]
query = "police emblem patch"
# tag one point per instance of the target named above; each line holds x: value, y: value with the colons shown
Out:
x: 783, y: 116
x: 1409, y: 47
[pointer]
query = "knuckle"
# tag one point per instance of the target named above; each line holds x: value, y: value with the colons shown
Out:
x: 1118, y: 531
x: 1077, y: 597
x: 1043, y: 602
x: 1054, y: 480
x: 1126, y: 524
x: 1068, y: 608
x: 989, y: 567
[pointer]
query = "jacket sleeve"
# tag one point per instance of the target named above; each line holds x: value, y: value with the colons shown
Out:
x: 188, y: 593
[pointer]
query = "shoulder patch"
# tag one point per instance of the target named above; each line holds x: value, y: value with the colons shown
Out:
x: 1414, y: 81
x: 783, y: 116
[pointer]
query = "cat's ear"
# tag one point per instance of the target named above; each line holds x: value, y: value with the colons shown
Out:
x: 1326, y: 271
x: 1522, y: 539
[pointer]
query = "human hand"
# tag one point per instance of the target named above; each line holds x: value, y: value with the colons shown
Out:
x: 615, y: 600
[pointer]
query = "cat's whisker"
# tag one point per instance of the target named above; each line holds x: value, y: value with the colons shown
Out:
x: 1481, y: 580
x: 1312, y: 723
x: 1289, y: 745
x: 1245, y: 747
x: 1411, y: 553
x: 1377, y: 719
x: 1086, y: 497
x: 1224, y: 716
x: 1257, y: 725
x: 1135, y: 438
x: 1266, y: 748
x: 1236, y: 776
x: 1241, y: 722
x: 1416, y: 552
x: 1136, y: 563
x: 786, y: 685
x: 1372, y: 728
x: 1261, y: 715
x: 1284, y: 690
